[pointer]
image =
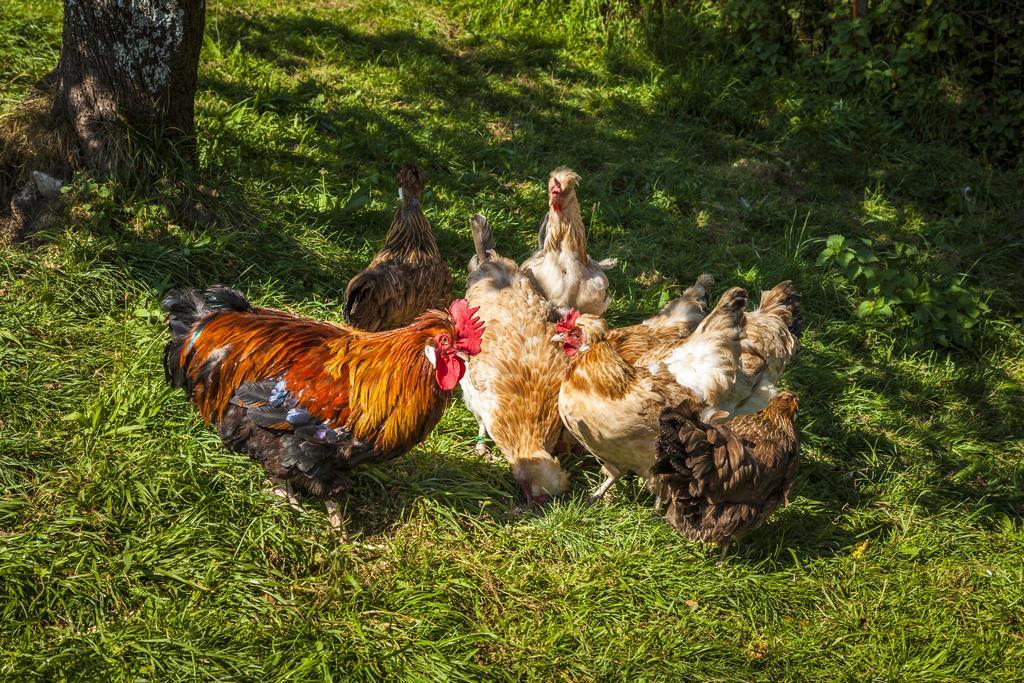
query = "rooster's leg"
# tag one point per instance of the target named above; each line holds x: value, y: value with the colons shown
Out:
x: 284, y: 489
x: 337, y: 519
x: 603, y: 488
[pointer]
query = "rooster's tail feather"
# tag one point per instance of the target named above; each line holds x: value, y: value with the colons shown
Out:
x: 186, y: 307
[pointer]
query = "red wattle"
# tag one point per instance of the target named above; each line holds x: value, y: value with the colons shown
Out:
x: 449, y: 371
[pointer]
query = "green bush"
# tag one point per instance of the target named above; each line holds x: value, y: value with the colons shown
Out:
x: 952, y: 68
x: 934, y: 309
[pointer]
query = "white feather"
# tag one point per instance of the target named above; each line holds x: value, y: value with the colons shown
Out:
x: 431, y: 353
x: 701, y: 366
x: 217, y: 355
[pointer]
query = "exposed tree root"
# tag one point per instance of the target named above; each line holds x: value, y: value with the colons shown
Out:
x: 36, y: 155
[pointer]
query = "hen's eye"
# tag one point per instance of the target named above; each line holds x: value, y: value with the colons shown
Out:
x: 444, y: 340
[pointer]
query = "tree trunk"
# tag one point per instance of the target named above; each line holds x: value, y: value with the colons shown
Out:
x: 130, y: 61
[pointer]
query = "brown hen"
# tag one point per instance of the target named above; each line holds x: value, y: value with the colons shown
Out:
x: 408, y: 275
x: 721, y: 481
x: 512, y: 385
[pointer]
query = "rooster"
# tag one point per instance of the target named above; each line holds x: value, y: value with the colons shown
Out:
x: 408, y: 275
x: 561, y: 268
x: 612, y: 405
x: 721, y: 481
x: 311, y: 400
x: 511, y: 386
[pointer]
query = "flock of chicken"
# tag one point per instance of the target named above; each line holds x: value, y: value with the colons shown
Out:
x: 686, y: 399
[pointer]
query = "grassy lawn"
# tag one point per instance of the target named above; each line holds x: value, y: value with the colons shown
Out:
x: 132, y: 545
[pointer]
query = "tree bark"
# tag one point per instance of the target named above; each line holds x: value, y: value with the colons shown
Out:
x: 128, y: 61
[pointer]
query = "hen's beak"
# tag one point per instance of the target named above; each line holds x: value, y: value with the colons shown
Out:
x: 532, y: 499
x: 560, y: 338
x: 463, y: 355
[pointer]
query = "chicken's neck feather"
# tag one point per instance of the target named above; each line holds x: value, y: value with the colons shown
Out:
x: 565, y: 228
x: 391, y: 383
x: 410, y: 237
x: 602, y: 370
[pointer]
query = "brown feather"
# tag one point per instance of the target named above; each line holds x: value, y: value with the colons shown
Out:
x: 736, y: 473
x: 408, y: 275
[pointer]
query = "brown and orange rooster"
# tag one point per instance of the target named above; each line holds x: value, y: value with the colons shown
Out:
x: 561, y: 268
x: 408, y: 275
x: 721, y: 481
x: 311, y: 400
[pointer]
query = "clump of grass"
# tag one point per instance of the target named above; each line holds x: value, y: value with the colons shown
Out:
x: 30, y: 141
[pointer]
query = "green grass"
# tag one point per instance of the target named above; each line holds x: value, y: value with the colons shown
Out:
x: 133, y: 546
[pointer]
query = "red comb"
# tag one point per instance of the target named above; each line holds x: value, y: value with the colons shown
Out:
x: 469, y: 329
x: 568, y: 323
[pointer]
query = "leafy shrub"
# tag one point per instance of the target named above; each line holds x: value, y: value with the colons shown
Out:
x: 935, y: 309
x: 954, y: 68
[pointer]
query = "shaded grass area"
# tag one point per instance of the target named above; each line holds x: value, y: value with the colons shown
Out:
x: 133, y: 545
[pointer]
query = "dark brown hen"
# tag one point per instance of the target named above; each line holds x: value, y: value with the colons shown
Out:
x: 722, y: 481
x: 408, y: 275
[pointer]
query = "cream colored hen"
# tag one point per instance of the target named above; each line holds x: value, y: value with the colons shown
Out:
x: 512, y: 385
x: 561, y: 268
x: 729, y: 365
x: 612, y: 406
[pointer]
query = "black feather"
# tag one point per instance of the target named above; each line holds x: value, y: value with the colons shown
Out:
x: 185, y: 308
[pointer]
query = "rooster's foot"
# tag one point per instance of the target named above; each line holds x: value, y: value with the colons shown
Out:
x: 284, y: 490
x: 721, y: 555
x: 337, y: 520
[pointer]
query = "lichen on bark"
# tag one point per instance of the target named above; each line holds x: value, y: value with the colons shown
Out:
x: 128, y: 61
